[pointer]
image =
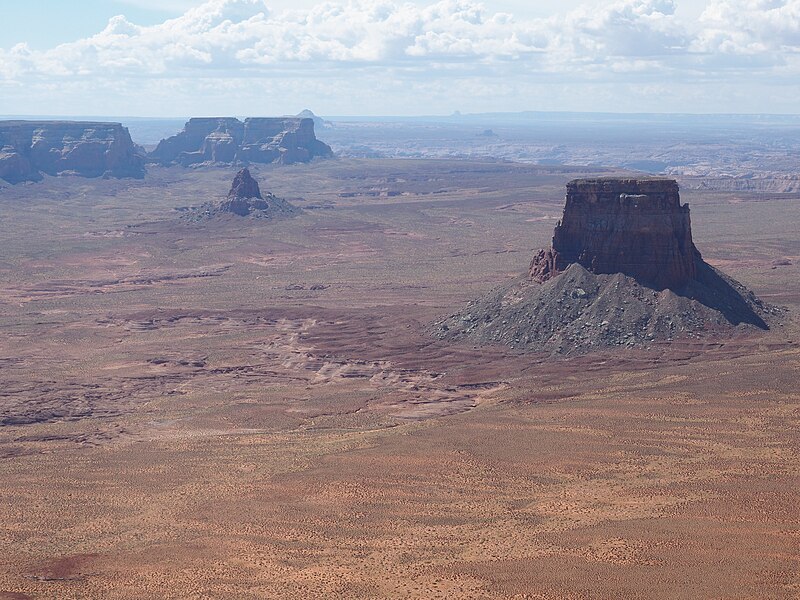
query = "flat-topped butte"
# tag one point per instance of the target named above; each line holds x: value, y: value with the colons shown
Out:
x: 227, y: 140
x: 31, y: 149
x: 637, y: 227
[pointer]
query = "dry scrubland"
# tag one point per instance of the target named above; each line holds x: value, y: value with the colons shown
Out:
x: 251, y: 409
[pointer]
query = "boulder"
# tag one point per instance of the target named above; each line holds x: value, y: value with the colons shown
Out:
x: 30, y: 148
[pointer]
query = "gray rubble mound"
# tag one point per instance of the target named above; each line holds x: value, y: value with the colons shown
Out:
x: 579, y: 312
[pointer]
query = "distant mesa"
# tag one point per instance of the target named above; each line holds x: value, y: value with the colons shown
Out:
x: 319, y: 122
x: 227, y: 140
x: 622, y: 271
x: 31, y: 149
x: 488, y: 133
x: 245, y: 200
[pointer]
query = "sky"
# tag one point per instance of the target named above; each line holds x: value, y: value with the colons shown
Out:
x: 178, y: 58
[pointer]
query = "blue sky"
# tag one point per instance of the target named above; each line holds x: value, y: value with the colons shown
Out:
x: 47, y: 23
x: 372, y: 57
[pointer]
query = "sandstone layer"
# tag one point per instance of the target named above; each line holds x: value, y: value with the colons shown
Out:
x: 637, y: 227
x: 29, y: 149
x: 227, y: 140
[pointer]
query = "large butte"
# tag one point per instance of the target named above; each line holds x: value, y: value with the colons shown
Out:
x: 633, y: 226
x: 622, y: 271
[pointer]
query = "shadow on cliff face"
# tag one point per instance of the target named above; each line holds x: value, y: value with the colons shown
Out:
x: 717, y: 291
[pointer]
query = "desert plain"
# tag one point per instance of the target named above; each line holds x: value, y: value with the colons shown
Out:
x: 245, y: 408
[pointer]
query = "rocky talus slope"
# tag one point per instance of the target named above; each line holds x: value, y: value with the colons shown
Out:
x: 623, y: 271
x: 29, y: 149
x: 226, y: 140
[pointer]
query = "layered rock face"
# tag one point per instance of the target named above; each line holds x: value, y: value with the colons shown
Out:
x: 30, y: 148
x: 228, y: 140
x: 637, y: 227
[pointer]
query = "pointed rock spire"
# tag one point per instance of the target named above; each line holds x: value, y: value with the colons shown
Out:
x: 244, y: 186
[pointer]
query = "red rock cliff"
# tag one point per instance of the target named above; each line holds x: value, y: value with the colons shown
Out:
x: 619, y: 225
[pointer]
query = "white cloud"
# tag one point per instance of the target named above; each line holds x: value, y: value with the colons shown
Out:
x: 245, y: 35
x: 629, y: 28
x: 750, y: 27
x: 626, y: 42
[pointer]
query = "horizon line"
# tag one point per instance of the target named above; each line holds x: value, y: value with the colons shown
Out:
x: 452, y: 115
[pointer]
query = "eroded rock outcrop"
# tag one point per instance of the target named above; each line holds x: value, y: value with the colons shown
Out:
x: 637, y: 227
x: 622, y: 272
x: 30, y: 148
x: 245, y: 196
x: 245, y: 199
x: 227, y: 140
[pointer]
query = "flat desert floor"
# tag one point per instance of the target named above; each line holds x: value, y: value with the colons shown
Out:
x: 254, y: 409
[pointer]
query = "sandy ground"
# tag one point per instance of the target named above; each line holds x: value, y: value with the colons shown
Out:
x: 254, y: 410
